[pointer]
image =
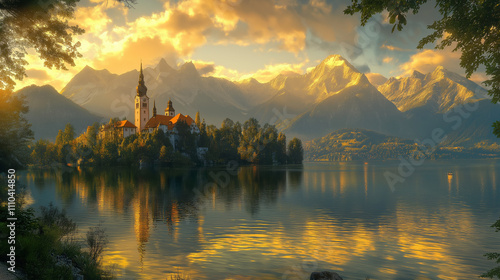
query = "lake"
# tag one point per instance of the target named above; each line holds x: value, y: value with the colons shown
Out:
x: 283, y: 222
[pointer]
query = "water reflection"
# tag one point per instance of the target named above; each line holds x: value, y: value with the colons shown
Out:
x: 260, y: 221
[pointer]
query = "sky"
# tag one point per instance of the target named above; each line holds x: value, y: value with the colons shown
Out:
x: 241, y: 39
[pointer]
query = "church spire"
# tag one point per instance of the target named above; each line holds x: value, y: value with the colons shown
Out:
x: 154, y: 108
x: 141, y: 76
x: 141, y: 87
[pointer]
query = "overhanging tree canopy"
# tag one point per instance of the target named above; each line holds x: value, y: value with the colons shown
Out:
x: 41, y: 25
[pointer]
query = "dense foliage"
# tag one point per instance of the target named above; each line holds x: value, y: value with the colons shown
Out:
x: 41, y: 241
x: 295, y: 151
x: 248, y: 143
x: 15, y: 131
x: 358, y: 144
x: 40, y: 25
x: 494, y: 272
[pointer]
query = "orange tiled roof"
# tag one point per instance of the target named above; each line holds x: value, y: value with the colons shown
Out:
x: 125, y: 123
x: 159, y: 119
x: 180, y: 117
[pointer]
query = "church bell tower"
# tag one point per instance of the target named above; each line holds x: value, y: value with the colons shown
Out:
x: 170, y: 111
x: 141, y: 104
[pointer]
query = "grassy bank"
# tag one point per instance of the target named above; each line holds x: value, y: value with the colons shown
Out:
x: 46, y: 246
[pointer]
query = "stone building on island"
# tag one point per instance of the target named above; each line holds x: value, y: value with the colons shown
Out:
x: 145, y: 124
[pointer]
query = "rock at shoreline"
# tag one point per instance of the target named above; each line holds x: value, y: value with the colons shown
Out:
x: 325, y: 275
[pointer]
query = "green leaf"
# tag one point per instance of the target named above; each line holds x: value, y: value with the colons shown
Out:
x: 392, y: 19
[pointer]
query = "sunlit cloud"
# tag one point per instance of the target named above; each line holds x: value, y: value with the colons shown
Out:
x: 209, y: 68
x: 203, y: 67
x: 394, y: 48
x: 376, y: 79
x: 271, y: 71
x: 479, y: 78
x: 387, y: 59
x: 38, y: 74
x: 93, y: 19
x: 118, y: 38
x: 150, y: 50
x: 262, y: 75
x: 426, y: 61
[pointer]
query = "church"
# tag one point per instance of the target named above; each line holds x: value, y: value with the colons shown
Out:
x: 145, y: 124
x: 165, y: 122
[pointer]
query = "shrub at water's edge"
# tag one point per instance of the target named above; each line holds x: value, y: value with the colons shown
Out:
x: 46, y: 247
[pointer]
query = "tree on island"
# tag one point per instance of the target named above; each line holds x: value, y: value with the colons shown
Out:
x: 281, y: 149
x: 228, y: 139
x: 249, y: 147
x: 295, y: 151
x: 186, y: 141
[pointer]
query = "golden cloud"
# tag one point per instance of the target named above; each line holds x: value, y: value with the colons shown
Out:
x: 226, y: 73
x: 387, y: 59
x: 204, y: 68
x: 427, y: 60
x: 375, y: 79
x: 478, y: 78
x: 262, y: 75
x: 271, y: 71
x: 93, y: 19
x: 394, y: 48
x: 150, y: 50
x: 258, y: 21
x: 38, y: 74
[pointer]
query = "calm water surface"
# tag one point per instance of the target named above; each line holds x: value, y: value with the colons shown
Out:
x: 284, y: 222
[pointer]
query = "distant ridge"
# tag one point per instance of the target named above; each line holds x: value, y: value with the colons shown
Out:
x: 49, y: 111
x: 357, y: 144
x: 112, y: 95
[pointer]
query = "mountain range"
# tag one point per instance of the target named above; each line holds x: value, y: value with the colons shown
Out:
x: 333, y: 95
x: 111, y: 95
x: 439, y: 90
x: 49, y: 112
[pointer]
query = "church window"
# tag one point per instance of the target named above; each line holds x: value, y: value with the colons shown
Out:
x: 144, y: 105
x: 137, y: 105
